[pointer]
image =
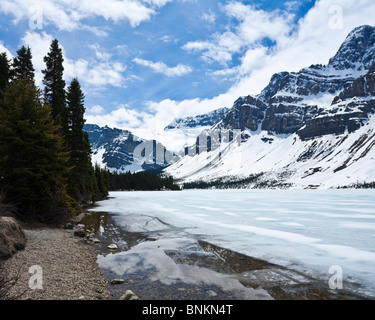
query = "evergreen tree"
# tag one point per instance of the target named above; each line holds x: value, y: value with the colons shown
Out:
x: 78, y: 144
x: 33, y: 163
x: 22, y: 65
x: 75, y: 114
x: 5, y: 73
x: 54, y: 90
x: 99, y: 180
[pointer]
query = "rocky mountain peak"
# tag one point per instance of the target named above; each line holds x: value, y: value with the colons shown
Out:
x: 357, y: 51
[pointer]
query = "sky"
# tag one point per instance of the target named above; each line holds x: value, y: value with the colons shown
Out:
x: 142, y: 63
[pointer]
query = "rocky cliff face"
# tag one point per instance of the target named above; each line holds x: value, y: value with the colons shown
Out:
x: 348, y: 112
x: 247, y: 112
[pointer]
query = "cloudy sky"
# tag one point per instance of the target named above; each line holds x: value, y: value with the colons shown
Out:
x: 143, y: 63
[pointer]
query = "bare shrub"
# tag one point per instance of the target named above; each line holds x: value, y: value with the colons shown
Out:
x: 7, y: 282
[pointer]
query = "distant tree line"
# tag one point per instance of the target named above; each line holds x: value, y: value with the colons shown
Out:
x: 45, y: 156
x: 142, y: 181
x: 360, y: 185
x: 254, y: 181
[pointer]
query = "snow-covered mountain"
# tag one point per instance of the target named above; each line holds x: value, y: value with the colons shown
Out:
x: 312, y: 128
x: 199, y: 121
x: 122, y: 151
x: 182, y: 132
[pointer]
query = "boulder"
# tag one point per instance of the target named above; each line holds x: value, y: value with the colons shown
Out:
x: 12, y: 237
x: 79, y: 233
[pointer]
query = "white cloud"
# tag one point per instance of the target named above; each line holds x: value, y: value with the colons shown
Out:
x: 91, y: 73
x: 208, y: 17
x: 158, y: 3
x: 68, y: 14
x: 291, y: 5
x: 253, y: 26
x: 4, y: 49
x: 121, y: 117
x: 95, y: 110
x: 101, y: 54
x: 161, y: 67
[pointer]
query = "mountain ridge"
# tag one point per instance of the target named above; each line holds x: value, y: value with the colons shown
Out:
x: 322, y: 105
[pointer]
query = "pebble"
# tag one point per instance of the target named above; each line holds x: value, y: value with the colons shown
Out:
x: 153, y: 278
x: 129, y: 295
x: 113, y: 246
x: 211, y: 293
x: 117, y: 281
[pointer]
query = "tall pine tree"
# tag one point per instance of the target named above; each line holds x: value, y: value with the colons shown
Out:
x: 33, y: 162
x: 54, y: 84
x: 77, y: 141
x: 22, y: 65
x: 5, y: 73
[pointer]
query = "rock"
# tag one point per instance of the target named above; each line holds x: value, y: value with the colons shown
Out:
x: 153, y: 278
x: 79, y: 233
x: 69, y: 226
x: 117, y: 281
x: 12, y: 237
x: 129, y: 295
x: 95, y: 240
x: 211, y: 293
x: 113, y: 246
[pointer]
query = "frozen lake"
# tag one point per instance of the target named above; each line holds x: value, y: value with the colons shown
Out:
x: 304, y: 230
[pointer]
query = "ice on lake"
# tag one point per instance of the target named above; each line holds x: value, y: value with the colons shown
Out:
x: 306, y: 230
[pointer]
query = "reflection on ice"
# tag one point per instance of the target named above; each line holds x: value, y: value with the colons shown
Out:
x: 156, y: 259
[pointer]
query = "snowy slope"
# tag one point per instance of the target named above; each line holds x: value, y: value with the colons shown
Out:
x: 329, y: 161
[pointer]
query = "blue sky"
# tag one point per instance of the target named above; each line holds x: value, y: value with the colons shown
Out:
x: 142, y: 63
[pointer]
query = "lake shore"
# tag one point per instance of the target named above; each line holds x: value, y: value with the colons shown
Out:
x: 67, y: 265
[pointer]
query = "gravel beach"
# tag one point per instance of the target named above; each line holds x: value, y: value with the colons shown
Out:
x: 68, y: 267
